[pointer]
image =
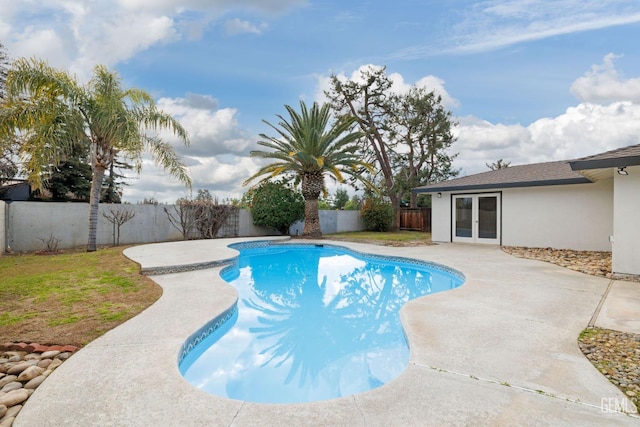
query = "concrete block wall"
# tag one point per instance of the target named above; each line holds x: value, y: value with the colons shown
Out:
x: 3, y: 226
x: 28, y: 226
x: 333, y: 221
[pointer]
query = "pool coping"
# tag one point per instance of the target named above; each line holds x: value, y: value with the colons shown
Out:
x: 492, y: 370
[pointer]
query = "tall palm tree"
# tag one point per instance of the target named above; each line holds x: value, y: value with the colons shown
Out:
x: 49, y: 111
x: 308, y: 147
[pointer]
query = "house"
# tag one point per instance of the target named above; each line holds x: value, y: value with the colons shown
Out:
x: 15, y: 190
x: 591, y: 203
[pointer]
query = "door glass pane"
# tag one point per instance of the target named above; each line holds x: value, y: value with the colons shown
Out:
x: 464, y: 219
x: 487, y: 217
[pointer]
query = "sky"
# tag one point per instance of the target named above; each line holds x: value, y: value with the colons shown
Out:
x: 526, y: 80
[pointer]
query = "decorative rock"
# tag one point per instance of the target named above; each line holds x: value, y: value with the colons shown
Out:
x: 13, y: 411
x: 30, y: 373
x: 35, y: 383
x: 12, y: 353
x: 54, y: 364
x: 11, y: 386
x: 17, y: 369
x: 7, y: 421
x: 3, y: 411
x: 32, y: 356
x: 63, y: 356
x: 14, y: 397
x: 8, y: 379
x: 44, y: 363
x: 49, y: 354
x: 614, y: 355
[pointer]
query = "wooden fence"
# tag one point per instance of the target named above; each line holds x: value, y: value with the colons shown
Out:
x: 417, y: 219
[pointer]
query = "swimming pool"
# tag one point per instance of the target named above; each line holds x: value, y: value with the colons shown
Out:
x: 312, y: 322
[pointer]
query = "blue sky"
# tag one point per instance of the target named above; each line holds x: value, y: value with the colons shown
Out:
x: 527, y: 80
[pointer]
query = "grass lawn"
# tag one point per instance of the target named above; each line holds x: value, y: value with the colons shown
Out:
x: 399, y: 238
x: 71, y: 297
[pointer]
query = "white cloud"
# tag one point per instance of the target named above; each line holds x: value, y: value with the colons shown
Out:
x: 212, y: 131
x: 604, y: 84
x: 221, y: 175
x: 238, y: 26
x: 217, y: 157
x: 44, y: 43
x: 581, y: 131
x: 493, y: 24
x: 79, y: 34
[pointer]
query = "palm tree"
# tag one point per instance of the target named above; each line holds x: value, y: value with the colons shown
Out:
x: 308, y: 150
x: 49, y: 112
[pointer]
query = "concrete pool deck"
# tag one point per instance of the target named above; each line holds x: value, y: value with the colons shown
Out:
x: 499, y: 350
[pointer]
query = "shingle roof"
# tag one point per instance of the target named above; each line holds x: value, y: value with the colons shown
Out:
x: 533, y: 175
x: 626, y: 156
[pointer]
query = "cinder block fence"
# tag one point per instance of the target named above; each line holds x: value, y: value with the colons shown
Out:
x: 31, y: 226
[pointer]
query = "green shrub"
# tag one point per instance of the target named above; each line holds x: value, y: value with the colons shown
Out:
x: 276, y: 205
x: 377, y: 215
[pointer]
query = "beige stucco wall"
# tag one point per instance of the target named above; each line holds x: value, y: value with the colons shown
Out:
x: 626, y: 222
x: 441, y: 217
x: 576, y: 216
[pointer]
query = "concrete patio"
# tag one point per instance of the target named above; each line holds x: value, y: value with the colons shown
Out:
x: 499, y: 350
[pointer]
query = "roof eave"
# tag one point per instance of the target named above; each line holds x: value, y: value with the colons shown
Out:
x: 577, y: 165
x: 502, y: 185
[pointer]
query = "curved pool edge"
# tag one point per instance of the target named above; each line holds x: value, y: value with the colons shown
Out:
x: 191, y: 343
x: 169, y: 257
x: 130, y: 376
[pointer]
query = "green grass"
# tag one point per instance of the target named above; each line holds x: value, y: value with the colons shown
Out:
x: 71, y: 297
x: 7, y: 319
x: 399, y: 236
x: 587, y: 333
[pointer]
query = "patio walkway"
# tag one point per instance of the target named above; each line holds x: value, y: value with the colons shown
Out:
x: 499, y: 350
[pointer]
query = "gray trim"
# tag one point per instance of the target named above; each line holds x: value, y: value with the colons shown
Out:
x: 502, y: 185
x: 578, y: 165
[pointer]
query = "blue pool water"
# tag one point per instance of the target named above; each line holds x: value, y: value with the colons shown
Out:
x: 312, y: 322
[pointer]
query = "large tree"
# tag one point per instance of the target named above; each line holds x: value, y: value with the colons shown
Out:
x: 71, y: 179
x: 406, y: 135
x: 420, y: 133
x: 4, y: 70
x: 49, y: 111
x: 308, y: 146
x: 366, y: 99
x: 8, y: 149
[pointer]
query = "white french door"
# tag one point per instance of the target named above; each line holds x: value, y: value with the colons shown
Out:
x: 476, y: 218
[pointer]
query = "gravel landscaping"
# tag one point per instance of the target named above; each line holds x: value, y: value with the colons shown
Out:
x: 23, y: 367
x: 617, y: 356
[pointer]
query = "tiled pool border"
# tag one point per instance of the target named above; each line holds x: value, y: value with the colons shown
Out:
x: 201, y: 334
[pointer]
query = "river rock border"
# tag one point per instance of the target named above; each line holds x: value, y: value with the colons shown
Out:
x: 23, y: 367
